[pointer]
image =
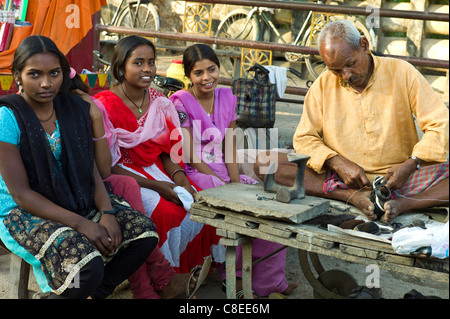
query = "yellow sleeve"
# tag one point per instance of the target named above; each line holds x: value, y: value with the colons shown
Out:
x: 433, y: 118
x: 308, y: 135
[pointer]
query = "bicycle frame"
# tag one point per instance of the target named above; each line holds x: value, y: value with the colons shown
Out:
x: 119, y: 10
x: 269, y: 22
x: 116, y: 13
x: 260, y: 11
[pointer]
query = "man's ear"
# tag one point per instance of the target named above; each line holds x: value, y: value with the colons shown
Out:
x: 364, y: 44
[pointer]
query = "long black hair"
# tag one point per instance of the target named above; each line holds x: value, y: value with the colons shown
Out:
x: 35, y: 44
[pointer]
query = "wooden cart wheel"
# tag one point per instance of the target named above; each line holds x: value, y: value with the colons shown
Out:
x: 251, y: 56
x: 346, y: 284
x: 198, y: 19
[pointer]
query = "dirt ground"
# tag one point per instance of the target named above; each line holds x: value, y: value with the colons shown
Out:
x: 393, y: 286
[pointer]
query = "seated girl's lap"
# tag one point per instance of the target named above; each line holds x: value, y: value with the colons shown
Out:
x: 162, y: 211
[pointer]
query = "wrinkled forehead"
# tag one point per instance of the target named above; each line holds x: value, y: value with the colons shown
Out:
x: 337, y: 51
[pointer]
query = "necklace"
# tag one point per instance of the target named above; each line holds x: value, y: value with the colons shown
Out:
x: 143, y: 99
x: 212, y: 102
x: 53, y: 112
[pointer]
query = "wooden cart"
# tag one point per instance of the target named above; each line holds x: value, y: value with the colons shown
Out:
x: 242, y: 212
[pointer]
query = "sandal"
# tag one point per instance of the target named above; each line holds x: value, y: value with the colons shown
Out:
x: 204, y: 270
x: 378, y: 195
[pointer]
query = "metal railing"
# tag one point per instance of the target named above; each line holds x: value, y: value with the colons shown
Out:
x: 291, y: 5
x: 424, y: 62
x: 342, y: 9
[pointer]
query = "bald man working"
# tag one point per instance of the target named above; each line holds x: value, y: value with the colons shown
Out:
x: 357, y: 123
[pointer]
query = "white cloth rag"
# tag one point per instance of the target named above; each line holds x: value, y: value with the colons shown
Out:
x: 185, y: 197
x: 278, y: 76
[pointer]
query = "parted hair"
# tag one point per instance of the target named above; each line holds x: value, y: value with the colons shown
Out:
x: 195, y: 53
x: 35, y: 44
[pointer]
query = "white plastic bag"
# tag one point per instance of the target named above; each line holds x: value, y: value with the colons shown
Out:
x: 410, y: 239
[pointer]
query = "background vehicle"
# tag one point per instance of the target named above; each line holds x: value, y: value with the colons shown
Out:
x: 140, y: 14
x: 254, y: 24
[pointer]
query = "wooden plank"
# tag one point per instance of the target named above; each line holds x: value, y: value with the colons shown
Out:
x: 230, y: 269
x: 377, y: 255
x: 313, y: 239
x: 231, y: 242
x: 361, y: 252
x: 247, y: 260
x: 276, y: 231
x: 345, y: 239
x: 19, y: 272
x: 227, y: 233
x: 289, y: 230
x: 204, y: 212
x: 298, y: 231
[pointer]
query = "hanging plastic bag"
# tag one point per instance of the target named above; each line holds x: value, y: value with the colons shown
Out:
x: 416, y: 240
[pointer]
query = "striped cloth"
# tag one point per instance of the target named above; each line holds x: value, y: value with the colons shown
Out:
x: 422, y: 179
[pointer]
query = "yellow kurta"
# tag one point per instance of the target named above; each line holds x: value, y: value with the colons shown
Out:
x: 375, y: 128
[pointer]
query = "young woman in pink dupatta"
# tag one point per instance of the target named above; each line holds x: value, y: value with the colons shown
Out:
x: 207, y: 115
x: 146, y: 125
x: 156, y: 278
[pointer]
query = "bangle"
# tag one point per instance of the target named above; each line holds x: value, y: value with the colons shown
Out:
x: 107, y: 212
x: 176, y: 171
x: 95, y: 139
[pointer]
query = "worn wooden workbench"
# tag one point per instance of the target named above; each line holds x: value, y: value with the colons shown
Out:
x: 242, y: 212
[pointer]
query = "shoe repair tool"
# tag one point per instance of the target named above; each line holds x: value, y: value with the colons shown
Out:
x: 284, y: 193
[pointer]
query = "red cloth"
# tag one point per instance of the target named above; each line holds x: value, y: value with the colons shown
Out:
x: 146, y: 153
x: 167, y: 215
x: 156, y: 272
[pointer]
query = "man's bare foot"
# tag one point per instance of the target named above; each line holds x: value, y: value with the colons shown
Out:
x: 361, y: 200
x: 177, y: 285
x: 392, y: 208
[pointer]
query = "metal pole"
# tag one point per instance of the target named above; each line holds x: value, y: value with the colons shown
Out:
x: 342, y: 9
x: 252, y: 44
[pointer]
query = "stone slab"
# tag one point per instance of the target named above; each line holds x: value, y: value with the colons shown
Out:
x: 253, y: 200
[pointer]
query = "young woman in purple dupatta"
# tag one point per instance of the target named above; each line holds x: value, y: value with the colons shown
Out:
x: 208, y: 118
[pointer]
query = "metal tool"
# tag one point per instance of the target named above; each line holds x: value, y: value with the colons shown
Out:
x: 285, y: 193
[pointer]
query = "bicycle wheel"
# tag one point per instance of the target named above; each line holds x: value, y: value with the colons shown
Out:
x: 236, y: 25
x: 106, y: 15
x: 315, y: 63
x: 145, y: 17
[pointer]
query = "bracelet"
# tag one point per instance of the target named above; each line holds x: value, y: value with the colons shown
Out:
x: 107, y: 212
x: 417, y: 161
x: 95, y: 139
x: 176, y: 171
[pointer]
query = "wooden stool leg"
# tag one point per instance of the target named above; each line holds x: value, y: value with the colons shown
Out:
x: 19, y: 272
x: 247, y: 247
x: 230, y: 263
